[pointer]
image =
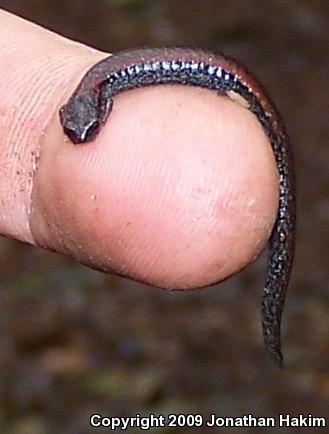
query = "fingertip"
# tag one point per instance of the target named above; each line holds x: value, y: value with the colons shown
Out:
x: 179, y: 190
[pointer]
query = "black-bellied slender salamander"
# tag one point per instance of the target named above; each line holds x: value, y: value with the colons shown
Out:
x: 90, y: 105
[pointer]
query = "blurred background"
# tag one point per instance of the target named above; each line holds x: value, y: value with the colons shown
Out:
x: 74, y: 341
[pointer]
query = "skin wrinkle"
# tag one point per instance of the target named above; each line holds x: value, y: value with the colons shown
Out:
x: 35, y: 154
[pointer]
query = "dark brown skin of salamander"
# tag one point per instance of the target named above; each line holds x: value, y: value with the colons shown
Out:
x: 91, y: 103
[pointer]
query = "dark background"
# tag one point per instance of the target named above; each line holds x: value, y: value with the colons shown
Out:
x: 74, y: 341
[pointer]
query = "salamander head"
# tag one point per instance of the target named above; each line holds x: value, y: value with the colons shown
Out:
x: 80, y: 118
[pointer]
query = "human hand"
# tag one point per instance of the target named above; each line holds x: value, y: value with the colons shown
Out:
x: 179, y: 191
